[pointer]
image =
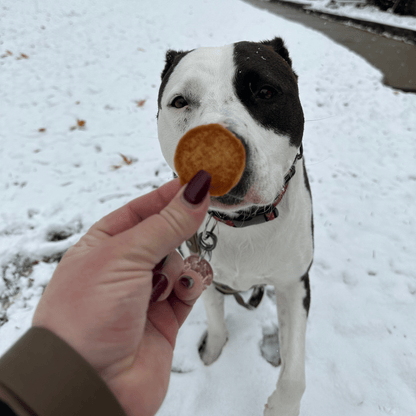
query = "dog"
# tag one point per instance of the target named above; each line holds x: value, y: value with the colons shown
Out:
x: 265, y: 223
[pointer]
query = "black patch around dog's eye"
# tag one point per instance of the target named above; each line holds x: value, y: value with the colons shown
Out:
x: 179, y: 102
x: 259, y: 71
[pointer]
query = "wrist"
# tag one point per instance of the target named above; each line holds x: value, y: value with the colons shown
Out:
x: 48, y: 376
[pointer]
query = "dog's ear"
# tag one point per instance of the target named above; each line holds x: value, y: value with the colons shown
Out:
x: 279, y: 47
x: 172, y: 58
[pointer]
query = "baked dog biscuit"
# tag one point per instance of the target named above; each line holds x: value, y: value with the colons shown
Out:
x: 214, y: 149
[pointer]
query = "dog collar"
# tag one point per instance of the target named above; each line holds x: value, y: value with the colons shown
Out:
x: 255, y: 215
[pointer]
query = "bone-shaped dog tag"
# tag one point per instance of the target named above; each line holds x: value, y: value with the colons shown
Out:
x: 200, y: 266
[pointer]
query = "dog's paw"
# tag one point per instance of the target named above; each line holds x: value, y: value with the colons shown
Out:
x: 269, y: 346
x: 211, y: 347
x: 281, y: 410
x: 285, y: 400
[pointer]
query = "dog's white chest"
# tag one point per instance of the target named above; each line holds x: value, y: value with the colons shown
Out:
x: 246, y: 257
x: 275, y: 251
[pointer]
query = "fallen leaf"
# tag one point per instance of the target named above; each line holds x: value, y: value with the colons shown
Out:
x: 5, y: 55
x: 140, y: 103
x: 23, y: 55
x: 81, y: 123
x: 127, y: 161
x: 42, y: 130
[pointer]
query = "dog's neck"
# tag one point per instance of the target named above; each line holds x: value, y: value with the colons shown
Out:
x: 258, y: 215
x: 253, y: 216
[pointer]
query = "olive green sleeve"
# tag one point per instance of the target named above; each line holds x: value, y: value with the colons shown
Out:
x: 42, y: 375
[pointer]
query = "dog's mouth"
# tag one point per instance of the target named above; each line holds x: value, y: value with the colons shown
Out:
x: 243, y: 195
x: 237, y: 194
x: 236, y: 197
x: 229, y: 204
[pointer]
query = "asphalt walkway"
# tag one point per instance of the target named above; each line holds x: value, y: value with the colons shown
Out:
x: 395, y: 59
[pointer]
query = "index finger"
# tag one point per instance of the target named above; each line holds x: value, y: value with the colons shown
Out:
x: 137, y: 210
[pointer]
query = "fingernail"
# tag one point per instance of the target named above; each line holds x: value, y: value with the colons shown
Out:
x: 187, y: 281
x: 160, y: 283
x: 160, y: 264
x: 197, y: 188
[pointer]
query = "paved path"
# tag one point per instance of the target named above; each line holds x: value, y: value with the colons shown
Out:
x: 395, y: 59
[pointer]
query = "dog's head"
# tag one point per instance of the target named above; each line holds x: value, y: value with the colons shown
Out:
x: 249, y: 88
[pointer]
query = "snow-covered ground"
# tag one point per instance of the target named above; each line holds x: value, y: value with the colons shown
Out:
x: 96, y: 61
x: 359, y: 9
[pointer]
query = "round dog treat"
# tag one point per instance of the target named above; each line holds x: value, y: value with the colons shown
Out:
x: 214, y: 149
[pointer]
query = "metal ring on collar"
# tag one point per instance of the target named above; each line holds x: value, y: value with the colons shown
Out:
x: 202, y: 241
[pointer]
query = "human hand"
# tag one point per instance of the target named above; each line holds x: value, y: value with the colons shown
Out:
x: 98, y: 298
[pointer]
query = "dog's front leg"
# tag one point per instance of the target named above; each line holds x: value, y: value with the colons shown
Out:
x: 216, y: 336
x: 285, y: 401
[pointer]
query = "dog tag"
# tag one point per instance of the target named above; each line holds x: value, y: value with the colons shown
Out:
x: 200, y: 266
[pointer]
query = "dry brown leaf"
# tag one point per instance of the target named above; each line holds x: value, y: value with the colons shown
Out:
x: 23, y: 55
x: 42, y: 130
x: 127, y: 161
x: 81, y: 123
x: 140, y: 103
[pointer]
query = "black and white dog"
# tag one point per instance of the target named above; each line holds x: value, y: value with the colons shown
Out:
x: 265, y: 222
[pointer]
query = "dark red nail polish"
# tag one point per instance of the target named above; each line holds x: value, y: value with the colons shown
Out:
x: 160, y: 265
x: 187, y: 281
x: 197, y: 188
x: 160, y: 283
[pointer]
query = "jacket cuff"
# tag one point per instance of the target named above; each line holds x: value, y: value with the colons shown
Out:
x: 48, y: 378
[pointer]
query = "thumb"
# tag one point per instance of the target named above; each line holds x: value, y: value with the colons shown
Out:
x: 160, y: 234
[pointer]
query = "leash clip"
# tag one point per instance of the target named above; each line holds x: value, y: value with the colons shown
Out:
x: 206, y: 246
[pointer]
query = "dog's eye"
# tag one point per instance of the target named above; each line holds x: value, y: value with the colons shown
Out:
x: 266, y: 93
x: 179, y: 102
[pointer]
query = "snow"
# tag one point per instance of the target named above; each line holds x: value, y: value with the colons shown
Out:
x: 94, y: 61
x: 359, y: 9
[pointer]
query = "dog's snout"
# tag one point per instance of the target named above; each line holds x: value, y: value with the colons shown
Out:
x: 237, y: 194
